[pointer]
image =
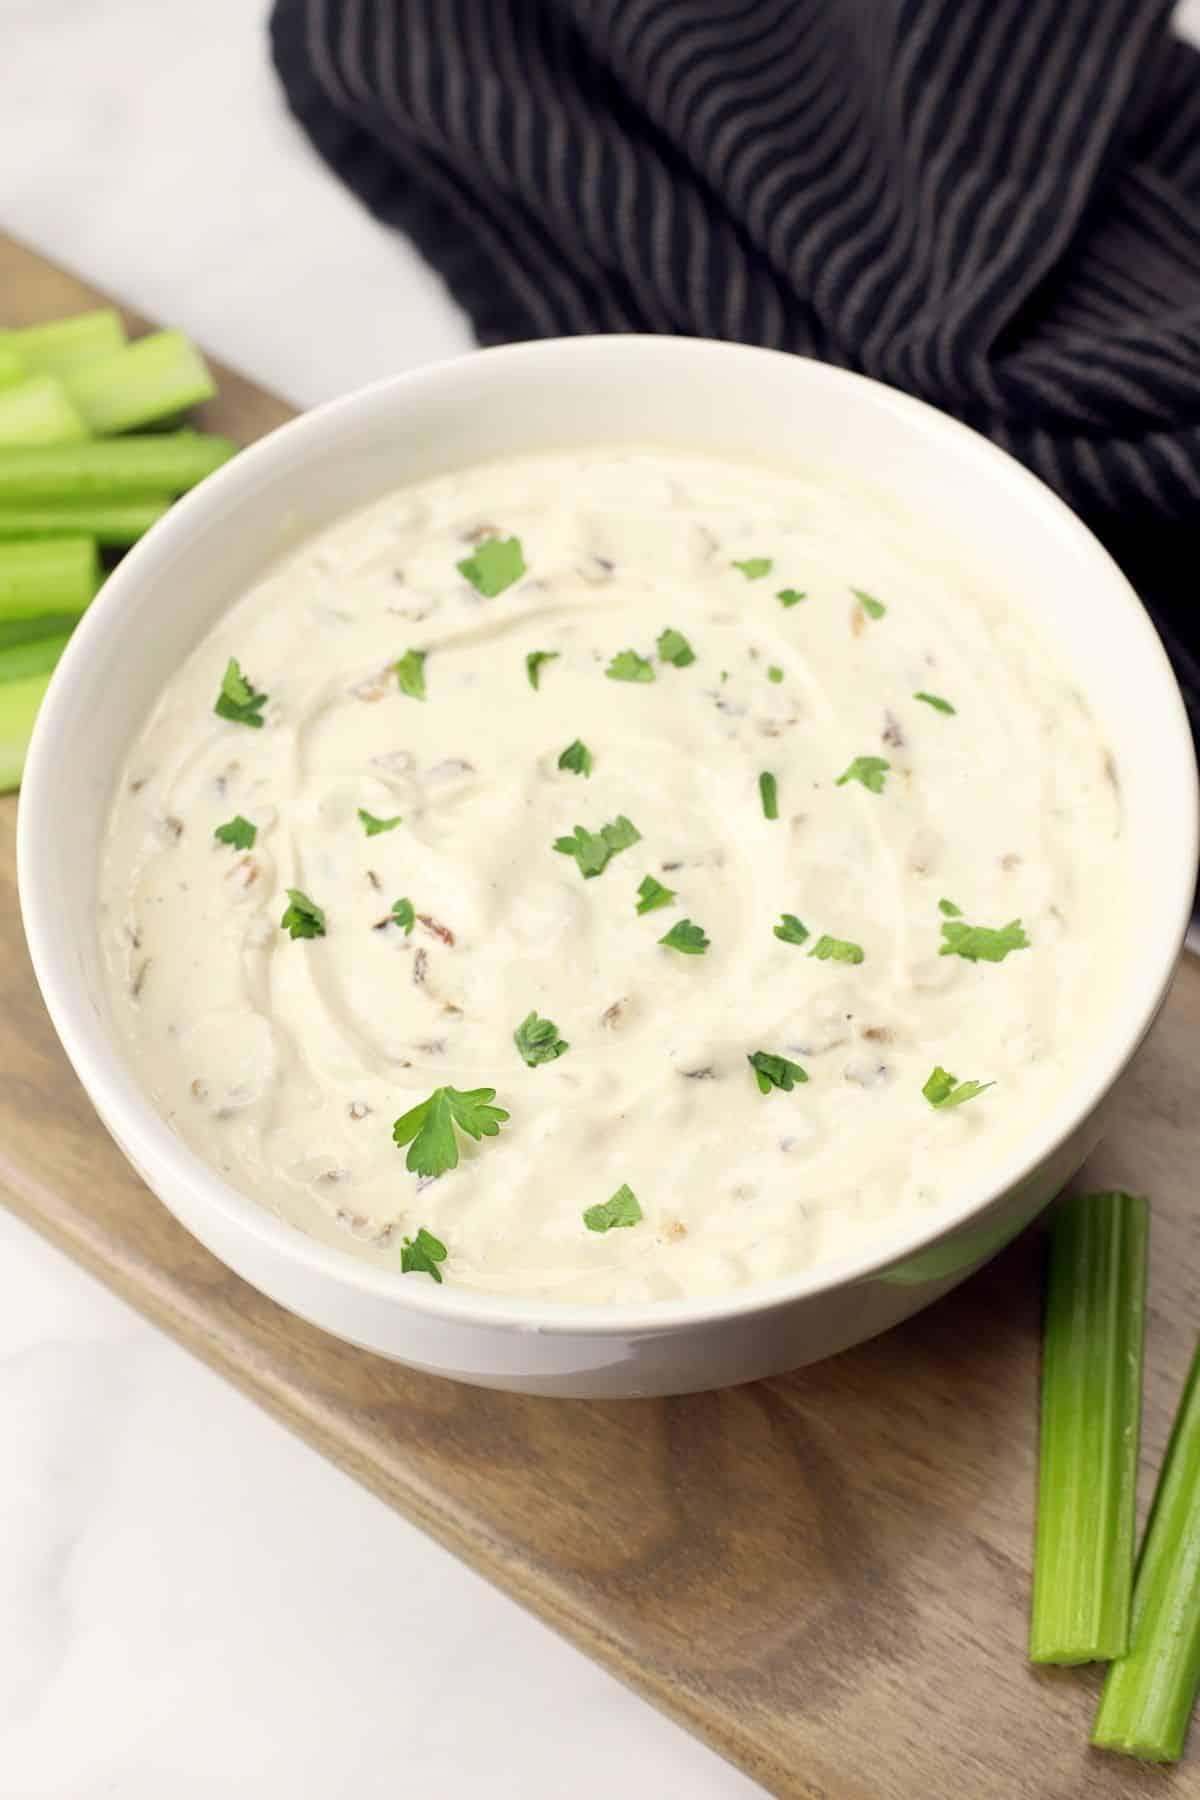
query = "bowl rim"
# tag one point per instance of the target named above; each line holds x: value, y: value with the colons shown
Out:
x: 131, y: 1117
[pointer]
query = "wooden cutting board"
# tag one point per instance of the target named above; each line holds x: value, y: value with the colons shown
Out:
x: 824, y: 1576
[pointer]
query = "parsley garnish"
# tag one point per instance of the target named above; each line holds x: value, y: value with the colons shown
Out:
x: 754, y: 567
x: 870, y: 770
x: 429, y: 1128
x: 686, y: 937
x: 627, y: 665
x: 982, y: 943
x: 944, y: 1089
x: 373, y: 826
x: 238, y: 831
x: 790, y: 930
x: 410, y: 673
x: 768, y: 789
x: 774, y: 673
x: 422, y: 1254
x: 936, y: 701
x: 673, y: 647
x: 791, y: 596
x: 775, y: 1071
x: 949, y: 909
x: 534, y: 661
x: 496, y: 564
x: 831, y: 949
x: 303, y: 917
x: 622, y: 1209
x: 593, y: 850
x: 873, y: 608
x: 403, y: 915
x: 538, y: 1040
x: 652, y: 894
x: 576, y: 757
x: 239, y: 699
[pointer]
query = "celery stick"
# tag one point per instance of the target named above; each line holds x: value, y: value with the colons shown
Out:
x: 151, y: 379
x: 37, y: 657
x: 1091, y: 1415
x: 116, y: 523
x: 1149, y: 1694
x: 12, y: 369
x: 50, y: 575
x: 19, y: 702
x: 27, y: 631
x: 166, y: 462
x: 38, y: 411
x: 66, y: 343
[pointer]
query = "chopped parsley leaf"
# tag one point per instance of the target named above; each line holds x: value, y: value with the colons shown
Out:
x: 238, y: 698
x: 673, y: 647
x: 403, y: 915
x: 791, y: 596
x: 534, y: 661
x: 303, y: 918
x: 790, y: 930
x: 754, y: 567
x: 652, y: 894
x: 870, y: 770
x: 686, y: 937
x: 576, y: 757
x: 593, y: 850
x: 775, y: 673
x: 538, y: 1040
x: 768, y: 789
x: 495, y: 565
x: 422, y: 1254
x: 936, y: 701
x: 237, y: 831
x: 428, y: 1128
x: 949, y: 909
x: 627, y: 665
x: 775, y: 1072
x: 831, y: 949
x: 982, y: 943
x: 410, y: 673
x: 944, y: 1089
x: 622, y: 1209
x: 373, y: 826
x: 873, y: 608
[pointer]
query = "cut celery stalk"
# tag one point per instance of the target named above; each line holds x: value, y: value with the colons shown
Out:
x: 66, y: 343
x: 19, y: 702
x: 151, y: 379
x: 36, y: 657
x: 1149, y: 1694
x: 1091, y: 1416
x: 114, y: 523
x: 46, y: 576
x: 26, y: 631
x: 39, y: 411
x: 162, y: 462
x: 12, y: 369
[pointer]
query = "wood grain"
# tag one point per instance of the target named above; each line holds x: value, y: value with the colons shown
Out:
x: 825, y: 1576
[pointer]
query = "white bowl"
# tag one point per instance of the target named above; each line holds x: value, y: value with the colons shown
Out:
x: 166, y: 594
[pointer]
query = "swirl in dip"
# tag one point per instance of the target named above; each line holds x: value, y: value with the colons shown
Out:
x: 841, y: 775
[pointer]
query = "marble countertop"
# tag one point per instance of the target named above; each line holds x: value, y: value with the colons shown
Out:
x: 194, y: 1603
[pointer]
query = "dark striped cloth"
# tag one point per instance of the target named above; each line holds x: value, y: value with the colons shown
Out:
x: 994, y: 204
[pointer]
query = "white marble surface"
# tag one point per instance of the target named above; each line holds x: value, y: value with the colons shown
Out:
x: 193, y: 1603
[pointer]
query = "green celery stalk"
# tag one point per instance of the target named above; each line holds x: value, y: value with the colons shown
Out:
x: 1149, y: 1693
x: 36, y: 657
x: 39, y: 411
x: 12, y: 369
x: 114, y: 523
x: 19, y: 702
x: 66, y: 343
x: 162, y: 462
x: 1091, y: 1417
x: 27, y: 631
x: 154, y: 378
x: 47, y: 576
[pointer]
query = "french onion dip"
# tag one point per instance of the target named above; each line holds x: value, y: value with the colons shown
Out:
x: 612, y: 875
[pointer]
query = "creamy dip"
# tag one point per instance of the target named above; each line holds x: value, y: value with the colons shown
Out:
x: 815, y: 617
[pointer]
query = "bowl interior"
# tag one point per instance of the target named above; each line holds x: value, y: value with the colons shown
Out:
x: 726, y: 398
